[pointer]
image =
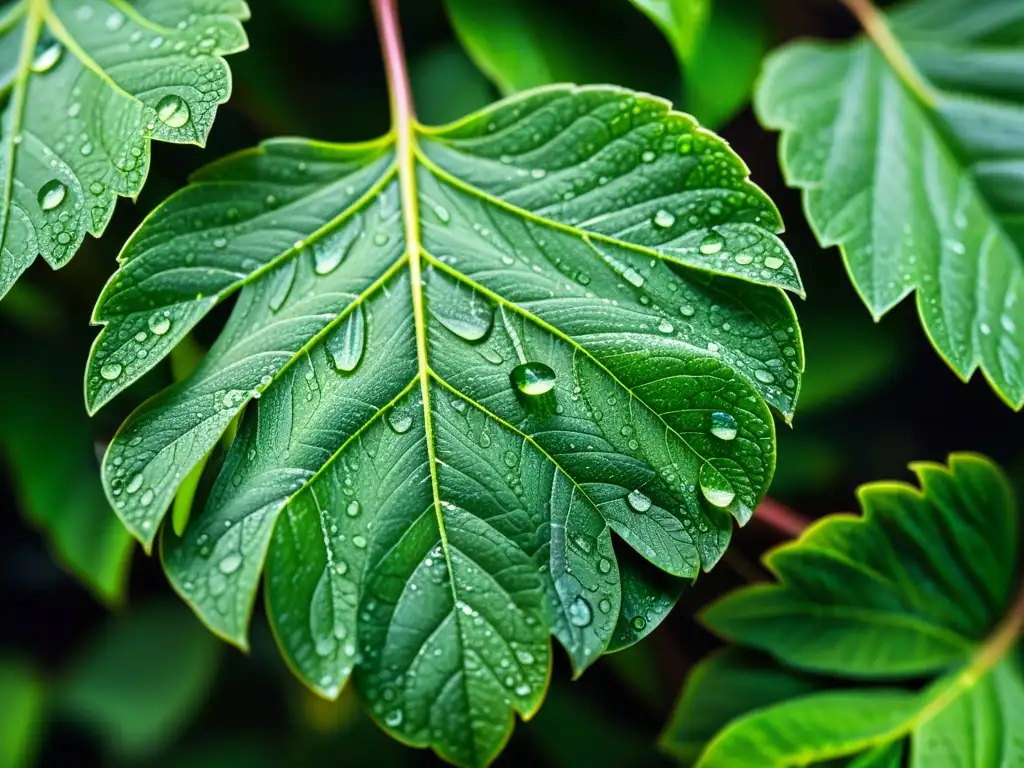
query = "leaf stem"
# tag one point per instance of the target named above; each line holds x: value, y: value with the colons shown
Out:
x: 780, y: 517
x: 878, y: 31
x: 402, y: 114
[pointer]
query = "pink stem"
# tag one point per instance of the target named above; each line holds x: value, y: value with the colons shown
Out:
x: 386, y: 13
x: 780, y: 517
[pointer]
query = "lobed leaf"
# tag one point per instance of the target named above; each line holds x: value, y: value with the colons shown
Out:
x: 920, y: 189
x: 920, y: 585
x: 88, y: 84
x: 466, y: 367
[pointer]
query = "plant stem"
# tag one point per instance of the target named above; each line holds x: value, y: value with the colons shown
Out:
x: 386, y: 14
x: 877, y: 29
x: 780, y: 517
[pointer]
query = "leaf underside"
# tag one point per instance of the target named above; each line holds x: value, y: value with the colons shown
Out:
x: 916, y: 587
x: 430, y: 470
x: 87, y: 85
x: 919, y: 198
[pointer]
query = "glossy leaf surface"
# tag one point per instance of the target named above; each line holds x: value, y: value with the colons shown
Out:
x: 920, y: 187
x: 922, y: 585
x: 572, y: 327
x: 88, y: 85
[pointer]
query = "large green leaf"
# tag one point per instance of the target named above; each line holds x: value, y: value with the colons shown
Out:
x: 46, y: 442
x: 477, y: 351
x: 920, y: 186
x: 22, y: 696
x: 719, y: 45
x: 140, y: 679
x: 922, y: 584
x: 87, y: 85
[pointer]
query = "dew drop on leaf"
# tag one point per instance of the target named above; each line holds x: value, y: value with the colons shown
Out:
x: 470, y: 320
x: 173, y: 111
x: 532, y: 379
x: 352, y: 510
x: 773, y: 262
x: 346, y: 343
x: 52, y: 194
x: 159, y: 324
x: 48, y: 53
x: 111, y: 371
x: 664, y: 219
x: 712, y: 244
x: 230, y: 564
x: 134, y: 484
x: 639, y: 623
x: 638, y: 501
x: 442, y: 214
x: 399, y: 422
x: 715, y: 488
x: 723, y: 425
x: 580, y: 612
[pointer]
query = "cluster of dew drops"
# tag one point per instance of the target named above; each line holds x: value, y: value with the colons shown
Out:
x: 171, y: 110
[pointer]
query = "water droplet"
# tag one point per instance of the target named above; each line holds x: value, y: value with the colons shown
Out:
x: 230, y: 564
x: 635, y: 278
x: 468, y: 318
x: 638, y: 501
x: 648, y: 157
x: 442, y: 214
x: 359, y: 541
x: 173, y: 111
x: 352, y: 510
x: 52, y: 194
x: 380, y: 239
x: 48, y: 53
x: 134, y: 484
x: 399, y: 422
x: 723, y: 425
x: 664, y: 219
x: 639, y: 623
x: 146, y: 499
x: 115, y: 21
x: 346, y: 343
x: 604, y: 565
x: 687, y: 310
x: 159, y: 323
x: 580, y: 613
x: 712, y: 244
x: 715, y: 487
x: 763, y: 376
x: 220, y: 242
x: 393, y: 719
x: 665, y: 326
x: 538, y: 173
x: 533, y: 378
x: 605, y: 605
x: 111, y: 371
x: 773, y: 262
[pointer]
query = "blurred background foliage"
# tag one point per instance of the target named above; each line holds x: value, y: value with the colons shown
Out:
x: 100, y: 662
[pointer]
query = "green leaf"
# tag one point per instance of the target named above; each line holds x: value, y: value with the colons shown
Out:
x: 681, y: 21
x: 722, y: 688
x: 141, y: 678
x: 88, y: 85
x: 47, y: 443
x: 812, y: 729
x: 903, y: 590
x: 478, y: 351
x: 719, y: 46
x: 920, y: 585
x: 21, y: 701
x: 919, y: 185
x: 648, y: 596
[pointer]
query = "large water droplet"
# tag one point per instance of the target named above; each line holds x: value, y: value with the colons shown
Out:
x: 723, y: 425
x: 159, y: 323
x: 134, y: 484
x: 715, y: 487
x: 712, y: 244
x: 115, y: 21
x: 173, y: 111
x: 111, y: 371
x: 638, y: 501
x: 469, y: 318
x: 580, y: 612
x: 330, y: 251
x: 664, y: 219
x: 52, y: 194
x: 773, y: 262
x: 399, y: 421
x: 533, y: 379
x: 639, y: 623
x: 48, y: 53
x: 281, y: 284
x: 346, y: 343
x: 230, y: 564
x: 352, y: 510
